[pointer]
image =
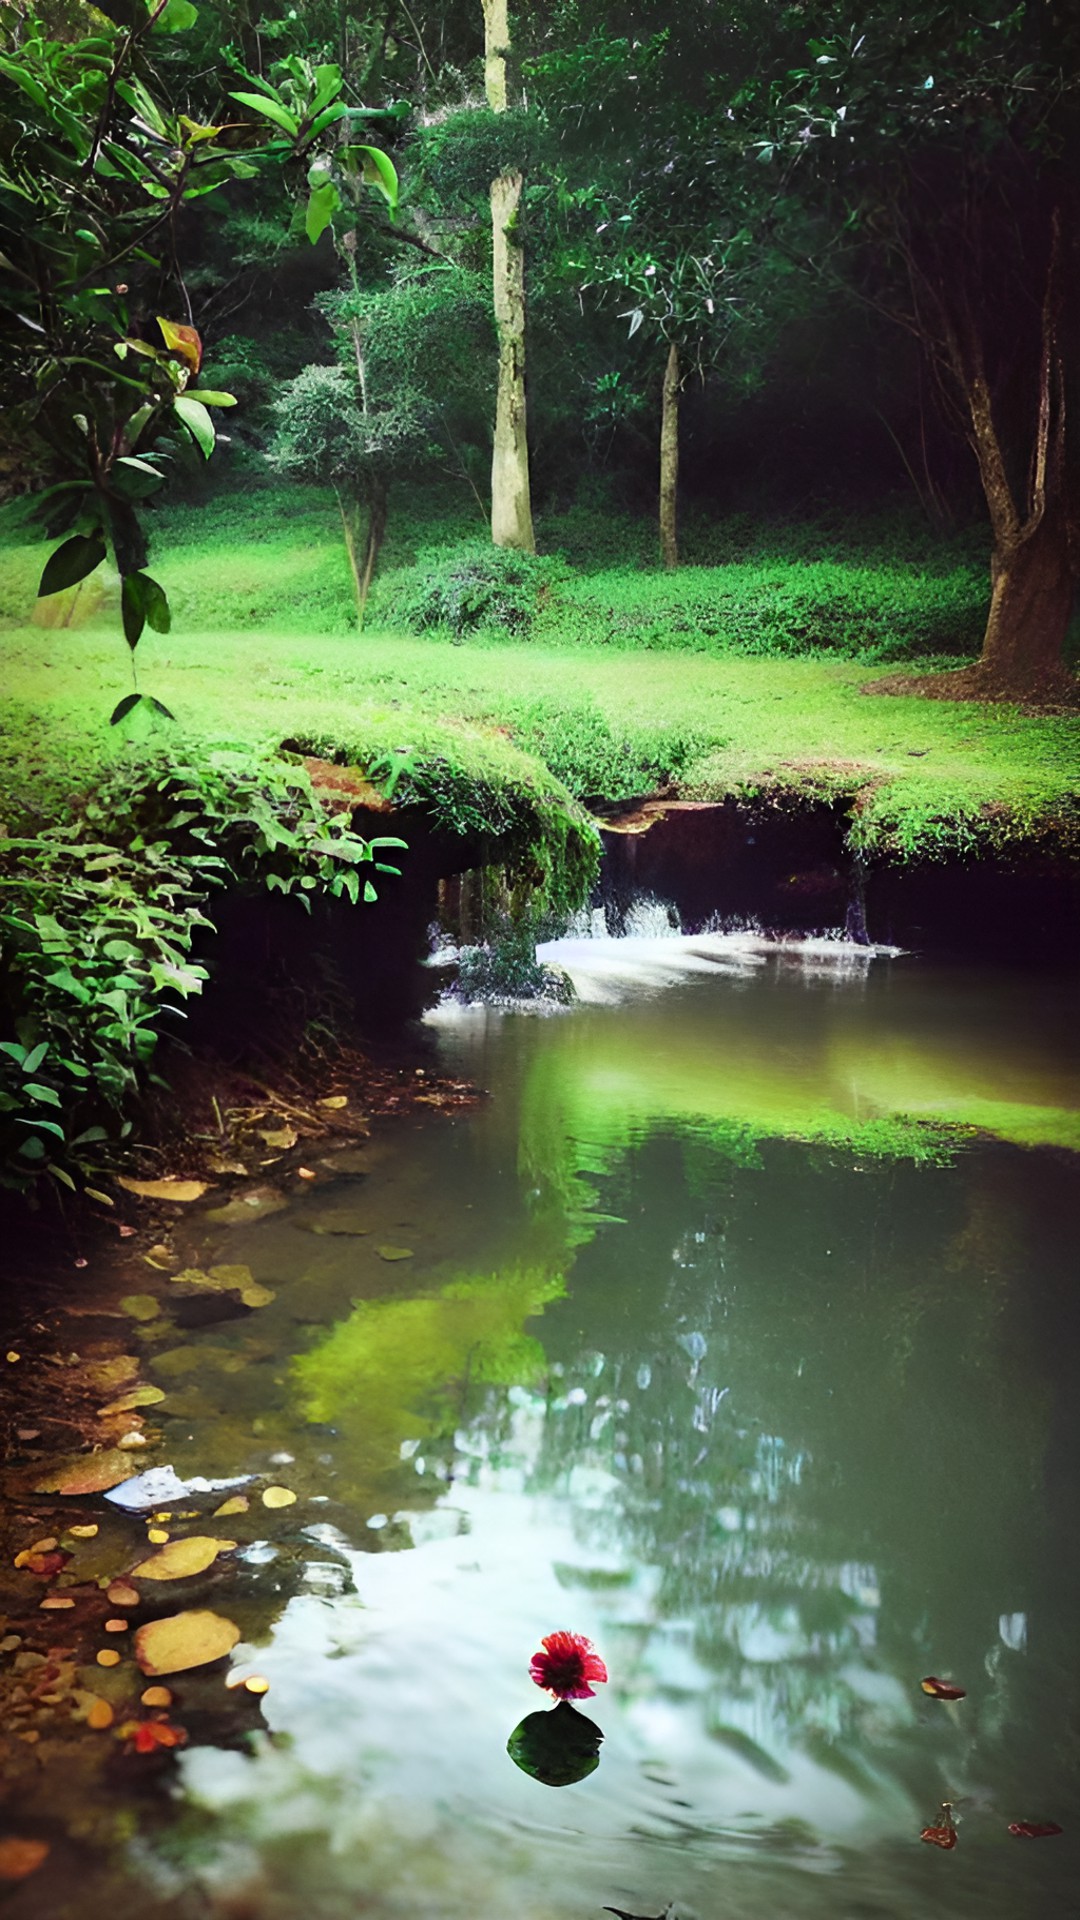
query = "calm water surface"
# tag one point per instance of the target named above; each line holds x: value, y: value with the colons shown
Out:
x: 698, y: 1340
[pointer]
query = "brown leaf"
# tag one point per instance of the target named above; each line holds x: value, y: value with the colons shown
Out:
x: 184, y: 1640
x: 166, y: 1189
x: 87, y: 1473
x: 20, y: 1858
x: 121, y: 1594
x: 182, y: 1558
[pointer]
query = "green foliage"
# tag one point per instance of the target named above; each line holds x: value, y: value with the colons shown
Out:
x: 577, y: 741
x: 471, y: 588
x: 96, y: 164
x: 99, y: 913
x: 772, y: 609
x: 456, y: 156
x: 505, y: 968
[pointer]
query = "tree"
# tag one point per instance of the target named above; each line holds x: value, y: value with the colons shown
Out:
x: 946, y: 148
x: 511, y: 507
x: 97, y: 166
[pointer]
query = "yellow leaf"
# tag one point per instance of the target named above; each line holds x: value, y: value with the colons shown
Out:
x: 106, y: 1375
x: 167, y: 1189
x: 107, y: 1657
x: 182, y: 1558
x: 334, y: 1100
x: 238, y: 1504
x: 100, y: 1715
x: 157, y: 1536
x: 278, y: 1136
x: 138, y: 1397
x: 184, y: 1640
x: 156, y: 1697
x: 83, y: 1533
x: 277, y: 1497
x: 121, y: 1594
x: 257, y: 1683
x: 141, y: 1306
x: 257, y: 1296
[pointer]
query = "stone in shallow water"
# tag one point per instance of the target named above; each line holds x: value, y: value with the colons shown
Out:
x: 159, y: 1485
x: 344, y: 1220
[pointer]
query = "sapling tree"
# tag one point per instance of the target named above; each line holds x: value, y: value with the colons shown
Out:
x: 97, y: 165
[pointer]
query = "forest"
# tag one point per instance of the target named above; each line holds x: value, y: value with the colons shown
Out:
x: 539, y: 910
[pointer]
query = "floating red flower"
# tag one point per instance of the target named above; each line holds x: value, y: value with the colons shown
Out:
x: 941, y: 1689
x: 566, y: 1665
x: 1034, y: 1829
x: 940, y: 1837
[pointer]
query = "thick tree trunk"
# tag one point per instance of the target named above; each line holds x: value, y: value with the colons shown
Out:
x: 669, y: 461
x: 511, y: 506
x: 1030, y: 607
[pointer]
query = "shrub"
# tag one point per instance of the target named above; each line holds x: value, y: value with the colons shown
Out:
x: 579, y: 746
x: 467, y: 589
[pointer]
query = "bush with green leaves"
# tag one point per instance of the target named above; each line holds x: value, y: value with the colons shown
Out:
x: 588, y: 756
x: 98, y: 915
x: 470, y: 588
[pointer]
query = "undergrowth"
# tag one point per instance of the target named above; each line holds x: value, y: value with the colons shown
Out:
x: 98, y: 913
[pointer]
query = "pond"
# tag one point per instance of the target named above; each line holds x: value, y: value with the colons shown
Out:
x: 735, y: 1329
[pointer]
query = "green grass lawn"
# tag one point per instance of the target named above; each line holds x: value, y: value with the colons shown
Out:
x: 745, y: 673
x: 930, y: 777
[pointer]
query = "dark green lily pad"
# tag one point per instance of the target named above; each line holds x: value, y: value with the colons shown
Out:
x: 558, y: 1747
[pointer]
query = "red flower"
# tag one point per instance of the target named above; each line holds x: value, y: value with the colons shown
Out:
x: 566, y: 1666
x: 146, y: 1736
x: 1034, y: 1830
x: 940, y: 1837
x: 941, y: 1689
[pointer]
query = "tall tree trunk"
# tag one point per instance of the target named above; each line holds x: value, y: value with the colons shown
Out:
x: 669, y: 460
x: 511, y: 507
x: 348, y: 528
x: 377, y: 510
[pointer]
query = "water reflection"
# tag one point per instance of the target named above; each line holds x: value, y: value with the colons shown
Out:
x: 783, y: 1429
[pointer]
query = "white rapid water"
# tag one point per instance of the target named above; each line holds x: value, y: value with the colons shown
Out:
x: 605, y: 970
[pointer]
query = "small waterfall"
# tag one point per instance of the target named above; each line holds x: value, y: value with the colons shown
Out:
x: 653, y: 954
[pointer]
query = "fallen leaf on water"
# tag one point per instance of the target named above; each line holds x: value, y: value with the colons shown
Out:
x: 182, y: 1558
x: 141, y: 1306
x: 116, y: 1626
x: 1034, y: 1829
x: 100, y: 1716
x: 121, y: 1594
x: 106, y: 1375
x: 334, y: 1100
x: 184, y: 1640
x: 129, y: 1441
x: 278, y: 1136
x: 87, y: 1473
x: 167, y: 1189
x: 44, y: 1565
x: 138, y: 1397
x: 84, y: 1533
x: 394, y: 1253
x: 157, y: 1536
x: 257, y: 1296
x: 941, y: 1689
x: 305, y: 1173
x: 107, y: 1657
x: 19, y: 1858
x: 159, y: 1257
x: 146, y: 1736
x: 277, y: 1497
x: 156, y: 1697
x: 256, y: 1683
x: 45, y: 1545
x: 54, y: 1603
x: 238, y: 1504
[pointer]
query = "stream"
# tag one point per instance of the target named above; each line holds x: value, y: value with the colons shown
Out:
x: 736, y: 1330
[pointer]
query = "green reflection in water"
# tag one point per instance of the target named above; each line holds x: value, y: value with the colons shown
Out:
x: 397, y: 1370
